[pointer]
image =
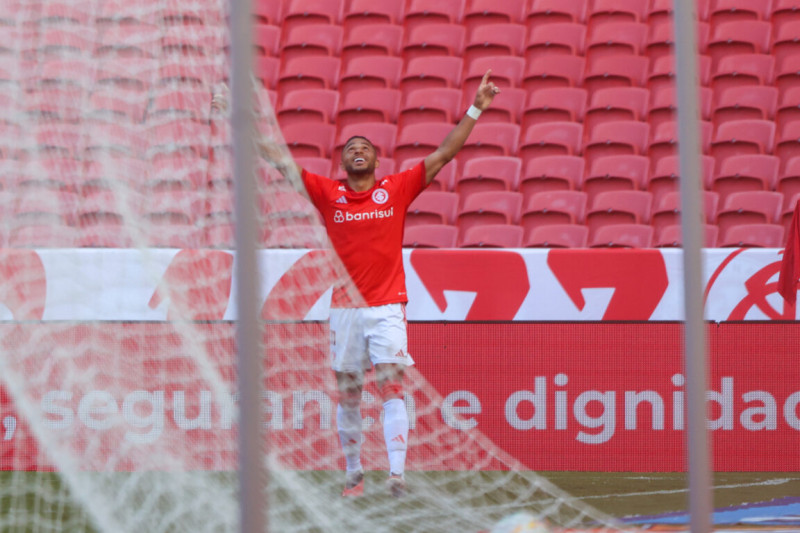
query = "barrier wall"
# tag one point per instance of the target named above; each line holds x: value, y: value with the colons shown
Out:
x: 554, y: 396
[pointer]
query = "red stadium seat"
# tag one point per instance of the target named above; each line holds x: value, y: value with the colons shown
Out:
x: 309, y: 140
x: 662, y: 72
x: 369, y: 105
x: 431, y: 72
x: 315, y: 72
x: 493, y: 173
x: 492, y: 236
x: 543, y: 12
x: 550, y: 138
x: 787, y: 75
x: 784, y: 12
x: 490, y: 139
x: 787, y: 211
x: 434, y: 40
x: 24, y: 234
x: 667, y: 211
x: 751, y: 207
x: 614, y: 39
x: 672, y: 236
x: 665, y: 176
x: 549, y: 173
x: 739, y: 37
x: 491, y: 207
x: 664, y: 142
x: 505, y: 109
x: 179, y: 103
x: 506, y: 72
x: 430, y: 236
x: 303, y: 12
x: 741, y: 137
x: 127, y: 41
x: 267, y: 12
x: 623, y: 236
x: 479, y: 13
x: 787, y: 145
x: 426, y: 12
x: 553, y: 207
x: 382, y: 135
x: 267, y: 39
x: 59, y: 104
x: 308, y: 105
x: 613, y: 11
x: 444, y: 178
x: 742, y: 69
x: 361, y: 13
x: 621, y: 103
x: 372, y: 40
x: 433, y: 207
x: 312, y: 40
x: 662, y: 10
x: 557, y: 236
x: 616, y: 138
x: 788, y: 108
x: 660, y: 40
x: 420, y: 140
x: 745, y: 173
x: 316, y: 165
x: 616, y: 172
x: 615, y: 71
x: 558, y: 38
x: 550, y: 71
x: 663, y: 106
x: 722, y: 11
x: 436, y: 104
x: 753, y: 236
x: 494, y: 40
x: 618, y: 207
x: 563, y: 104
x: 371, y: 72
x: 788, y: 181
x: 66, y: 40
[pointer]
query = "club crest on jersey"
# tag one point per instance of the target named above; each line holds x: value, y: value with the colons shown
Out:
x: 380, y: 196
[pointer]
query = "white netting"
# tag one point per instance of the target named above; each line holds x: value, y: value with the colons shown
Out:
x: 117, y: 366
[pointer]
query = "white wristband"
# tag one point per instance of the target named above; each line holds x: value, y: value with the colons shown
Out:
x: 473, y: 112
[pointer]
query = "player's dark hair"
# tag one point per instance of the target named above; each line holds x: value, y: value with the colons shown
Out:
x: 360, y: 137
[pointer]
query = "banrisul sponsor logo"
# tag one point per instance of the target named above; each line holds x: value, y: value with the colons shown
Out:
x: 341, y: 216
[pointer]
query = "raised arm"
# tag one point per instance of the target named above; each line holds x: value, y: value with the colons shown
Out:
x: 454, y: 140
x: 273, y: 153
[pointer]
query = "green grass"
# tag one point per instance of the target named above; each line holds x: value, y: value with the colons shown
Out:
x: 30, y: 499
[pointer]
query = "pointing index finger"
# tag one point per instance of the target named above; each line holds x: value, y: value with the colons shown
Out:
x: 485, y: 79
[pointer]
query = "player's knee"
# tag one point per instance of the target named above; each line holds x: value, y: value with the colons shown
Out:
x: 391, y: 390
x: 350, y: 398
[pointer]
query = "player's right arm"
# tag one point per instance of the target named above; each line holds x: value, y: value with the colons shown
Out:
x: 268, y: 149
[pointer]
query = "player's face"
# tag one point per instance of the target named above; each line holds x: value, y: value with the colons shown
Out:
x: 359, y: 157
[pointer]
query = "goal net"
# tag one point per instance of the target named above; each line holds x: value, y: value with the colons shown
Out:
x: 117, y: 365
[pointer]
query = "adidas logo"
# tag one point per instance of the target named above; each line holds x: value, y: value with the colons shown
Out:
x: 399, y: 439
x: 341, y: 200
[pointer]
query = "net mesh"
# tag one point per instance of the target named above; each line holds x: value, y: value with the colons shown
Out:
x: 119, y: 408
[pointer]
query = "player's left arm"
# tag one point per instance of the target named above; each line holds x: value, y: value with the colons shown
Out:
x: 454, y: 140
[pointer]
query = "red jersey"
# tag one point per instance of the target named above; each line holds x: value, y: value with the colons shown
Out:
x: 366, y: 230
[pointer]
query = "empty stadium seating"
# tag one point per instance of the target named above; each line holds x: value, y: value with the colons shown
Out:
x: 587, y: 106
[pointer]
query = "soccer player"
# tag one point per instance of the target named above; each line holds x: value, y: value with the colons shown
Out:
x: 364, y: 217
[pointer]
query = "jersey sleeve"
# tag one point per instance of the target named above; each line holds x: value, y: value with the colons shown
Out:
x: 313, y: 184
x: 414, y: 181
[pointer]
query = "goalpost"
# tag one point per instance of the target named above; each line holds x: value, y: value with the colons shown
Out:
x: 122, y: 402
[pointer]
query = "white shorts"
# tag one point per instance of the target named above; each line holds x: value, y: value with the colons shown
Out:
x: 366, y: 336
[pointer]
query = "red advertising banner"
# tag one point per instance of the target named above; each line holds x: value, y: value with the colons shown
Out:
x: 545, y: 396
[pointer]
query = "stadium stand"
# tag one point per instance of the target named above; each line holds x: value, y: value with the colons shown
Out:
x: 588, y: 105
